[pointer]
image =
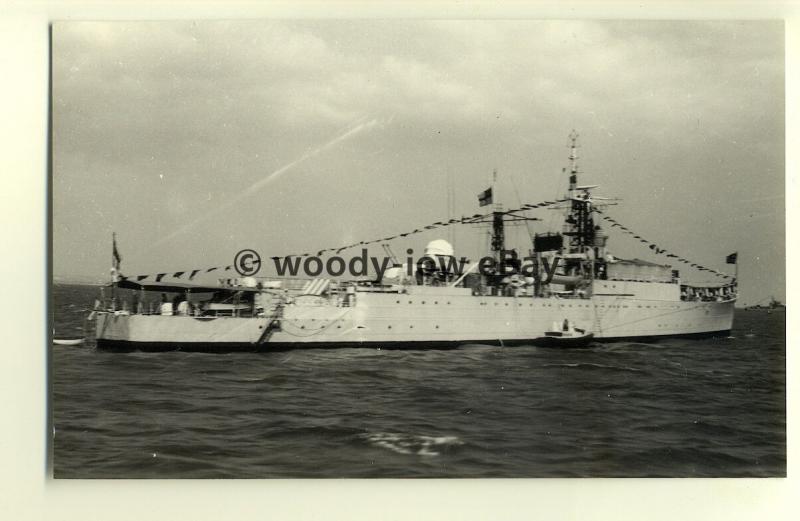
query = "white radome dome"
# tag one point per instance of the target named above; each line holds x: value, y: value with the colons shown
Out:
x: 248, y: 282
x: 439, y: 247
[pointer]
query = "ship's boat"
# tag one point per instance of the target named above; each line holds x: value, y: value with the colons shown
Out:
x: 567, y: 275
x: 566, y: 336
x: 68, y: 341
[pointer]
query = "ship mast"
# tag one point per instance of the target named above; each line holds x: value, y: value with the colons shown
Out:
x: 498, y: 229
x: 498, y: 219
x: 573, y: 162
x: 579, y: 224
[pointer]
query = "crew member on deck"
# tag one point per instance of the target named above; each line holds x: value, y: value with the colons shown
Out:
x: 166, y: 305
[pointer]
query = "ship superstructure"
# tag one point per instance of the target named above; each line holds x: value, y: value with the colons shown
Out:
x: 567, y: 279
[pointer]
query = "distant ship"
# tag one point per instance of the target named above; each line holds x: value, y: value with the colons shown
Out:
x: 574, y: 282
x: 774, y: 305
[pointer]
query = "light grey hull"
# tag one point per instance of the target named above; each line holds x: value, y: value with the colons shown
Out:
x: 423, y: 318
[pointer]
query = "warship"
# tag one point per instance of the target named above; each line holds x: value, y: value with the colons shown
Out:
x: 569, y: 290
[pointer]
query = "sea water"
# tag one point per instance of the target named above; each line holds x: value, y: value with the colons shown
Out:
x: 676, y: 407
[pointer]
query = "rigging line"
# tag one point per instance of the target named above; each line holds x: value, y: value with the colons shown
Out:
x: 463, y: 220
x: 519, y: 202
x: 553, y: 215
x: 661, y: 251
x: 601, y: 316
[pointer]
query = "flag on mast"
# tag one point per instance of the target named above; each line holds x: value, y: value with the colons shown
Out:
x: 116, y: 259
x: 117, y: 256
x: 485, y: 197
x: 732, y: 258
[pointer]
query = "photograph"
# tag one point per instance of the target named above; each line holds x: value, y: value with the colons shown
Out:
x: 417, y: 248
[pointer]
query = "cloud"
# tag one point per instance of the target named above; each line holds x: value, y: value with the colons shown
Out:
x: 234, y: 83
x: 357, y: 127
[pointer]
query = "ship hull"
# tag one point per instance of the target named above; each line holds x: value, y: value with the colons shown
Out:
x: 424, y: 319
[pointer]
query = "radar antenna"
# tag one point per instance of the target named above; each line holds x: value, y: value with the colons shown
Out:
x: 579, y: 224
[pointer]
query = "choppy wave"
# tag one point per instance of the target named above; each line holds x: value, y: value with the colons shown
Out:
x: 410, y: 443
x: 594, y: 366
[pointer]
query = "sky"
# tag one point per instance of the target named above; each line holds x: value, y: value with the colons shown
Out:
x: 194, y: 140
